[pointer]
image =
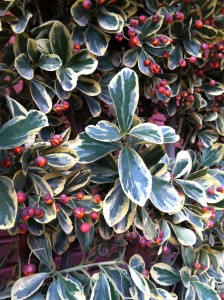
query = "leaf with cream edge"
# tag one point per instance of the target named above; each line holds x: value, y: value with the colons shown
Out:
x: 164, y: 275
x: 67, y: 78
x: 101, y: 289
x: 127, y: 220
x: 193, y: 190
x: 164, y: 196
x: 60, y: 161
x: 148, y: 132
x: 115, y: 205
x: 124, y: 90
x: 183, y: 164
x: 185, y: 236
x: 90, y: 150
x: 96, y: 40
x: 204, y: 291
x: 20, y: 128
x: 9, y: 203
x: 169, y: 134
x: 135, y: 177
x: 40, y: 96
x: 27, y: 286
x: 24, y: 67
x: 104, y: 131
x: 139, y: 281
x: 68, y: 289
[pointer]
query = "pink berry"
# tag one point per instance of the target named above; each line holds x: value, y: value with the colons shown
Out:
x: 85, y: 227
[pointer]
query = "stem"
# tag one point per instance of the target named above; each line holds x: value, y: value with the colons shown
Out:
x: 19, y: 262
x: 188, y: 137
x: 114, y: 262
x: 38, y: 12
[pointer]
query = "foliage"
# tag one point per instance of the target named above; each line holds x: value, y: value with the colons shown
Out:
x: 82, y: 162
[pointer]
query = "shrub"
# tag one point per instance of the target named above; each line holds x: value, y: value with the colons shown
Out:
x: 83, y: 161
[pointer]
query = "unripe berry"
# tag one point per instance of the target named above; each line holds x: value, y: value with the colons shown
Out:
x: 80, y: 195
x: 166, y: 250
x: 94, y: 215
x: 40, y: 161
x: 64, y: 198
x: 28, y: 269
x: 21, y: 197
x: 87, y: 4
x: 85, y: 227
x: 39, y: 213
x: 56, y: 140
x: 203, y: 267
x: 79, y: 212
x: 48, y: 199
x: 133, y: 235
x: 198, y: 24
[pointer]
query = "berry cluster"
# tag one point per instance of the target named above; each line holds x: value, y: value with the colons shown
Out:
x: 60, y: 107
x: 185, y: 98
x: 161, y: 88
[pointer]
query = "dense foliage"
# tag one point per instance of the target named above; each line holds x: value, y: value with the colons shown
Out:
x: 83, y: 162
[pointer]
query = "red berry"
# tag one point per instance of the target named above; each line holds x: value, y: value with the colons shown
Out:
x: 57, y: 207
x: 203, y: 267
x: 220, y: 189
x: 76, y: 47
x: 85, y: 227
x: 155, y: 41
x: 80, y: 195
x: 192, y: 59
x: 161, y: 234
x: 198, y: 24
x: 168, y: 19
x: 96, y: 198
x: 56, y: 140
x: 168, y: 93
x: 142, y: 241
x: 87, y: 4
x: 65, y: 105
x: 166, y: 54
x: 131, y: 32
x: 210, y: 223
x: 147, y: 62
x: 161, y: 90
x: 119, y: 37
x: 182, y: 63
x: 94, y: 215
x: 197, y: 266
x: 24, y: 214
x: 142, y: 19
x: 163, y: 82
x: 30, y: 211
x: 28, y: 269
x: 210, y: 191
x: 212, y: 82
x: 23, y: 227
x: 21, y: 197
x: 40, y: 161
x: 158, y: 240
x: 39, y: 213
x: 205, y: 209
x: 6, y: 162
x: 166, y: 250
x: 204, y: 46
x: 149, y: 243
x: 79, y: 212
x: 155, y: 18
x: 222, y: 295
x: 18, y: 150
x: 64, y: 198
x: 134, y: 22
x: 133, y: 235
x: 134, y: 41
x: 57, y: 107
x: 179, y: 16
x: 48, y: 199
x: 145, y: 273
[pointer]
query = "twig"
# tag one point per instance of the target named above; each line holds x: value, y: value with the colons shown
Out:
x: 38, y: 12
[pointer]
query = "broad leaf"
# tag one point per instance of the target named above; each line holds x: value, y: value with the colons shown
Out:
x: 169, y: 134
x: 147, y: 132
x: 67, y: 78
x: 9, y: 203
x: 124, y: 90
x: 50, y: 62
x: 204, y: 291
x: 164, y: 275
x: 185, y: 236
x: 183, y: 164
x: 101, y: 289
x: 68, y: 289
x: 104, y: 131
x: 24, y: 67
x: 135, y: 177
x: 96, y: 40
x: 40, y: 96
x: 20, y: 128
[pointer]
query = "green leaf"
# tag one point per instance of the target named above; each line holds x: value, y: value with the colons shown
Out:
x: 176, y: 29
x: 85, y: 239
x: 56, y: 181
x: 93, y: 105
x: 41, y: 247
x: 20, y: 128
x: 208, y: 8
x: 183, y: 164
x: 9, y: 203
x: 104, y: 131
x: 26, y: 286
x: 88, y: 86
x: 207, y: 32
x: 124, y: 90
x: 32, y: 50
x: 193, y: 190
x: 174, y: 58
x: 76, y: 180
x: 90, y: 150
x: 52, y: 292
x: 219, y: 123
x: 210, y: 156
x: 135, y: 177
x: 185, y: 274
x: 204, y: 291
x: 164, y: 275
x: 193, y: 47
x: 214, y: 90
x: 68, y: 289
x: 60, y: 161
x: 96, y: 40
x: 139, y: 282
x: 61, y: 41
x: 24, y: 67
x: 50, y: 62
x: 164, y: 196
x: 40, y: 96
x: 65, y: 221
x: 108, y: 21
x: 188, y: 256
x: 169, y: 135
x: 185, y: 236
x: 147, y: 132
x: 16, y: 109
x: 127, y: 220
x: 208, y: 137
x: 80, y: 15
x: 101, y: 289
x: 137, y: 263
x: 82, y: 63
x: 115, y: 205
x: 67, y: 78
x: 130, y: 58
x: 20, y: 26
x: 150, y: 27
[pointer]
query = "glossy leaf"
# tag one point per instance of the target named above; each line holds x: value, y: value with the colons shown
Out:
x: 148, y: 132
x: 40, y: 96
x: 24, y: 67
x: 101, y: 289
x: 164, y: 275
x: 185, y: 236
x: 96, y: 40
x: 182, y: 165
x: 104, y: 131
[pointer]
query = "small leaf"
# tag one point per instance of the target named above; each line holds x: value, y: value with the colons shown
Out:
x: 40, y: 96
x: 164, y: 275
x: 124, y: 90
x: 204, y: 291
x: 104, y: 131
x: 214, y: 90
x: 130, y: 58
x: 137, y: 263
x: 174, y: 58
x: 67, y: 78
x: 50, y: 62
x: 9, y: 203
x: 185, y: 236
x: 148, y: 132
x: 96, y: 40
x: 24, y: 67
x: 26, y: 286
x: 101, y: 289
x: 85, y: 239
x: 150, y: 27
x: 193, y: 47
x: 88, y: 86
x: 183, y: 164
x: 169, y: 134
x: 115, y: 205
x: 176, y: 29
x: 108, y: 21
x: 65, y: 221
x: 68, y: 289
x: 79, y: 14
x: 135, y: 177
